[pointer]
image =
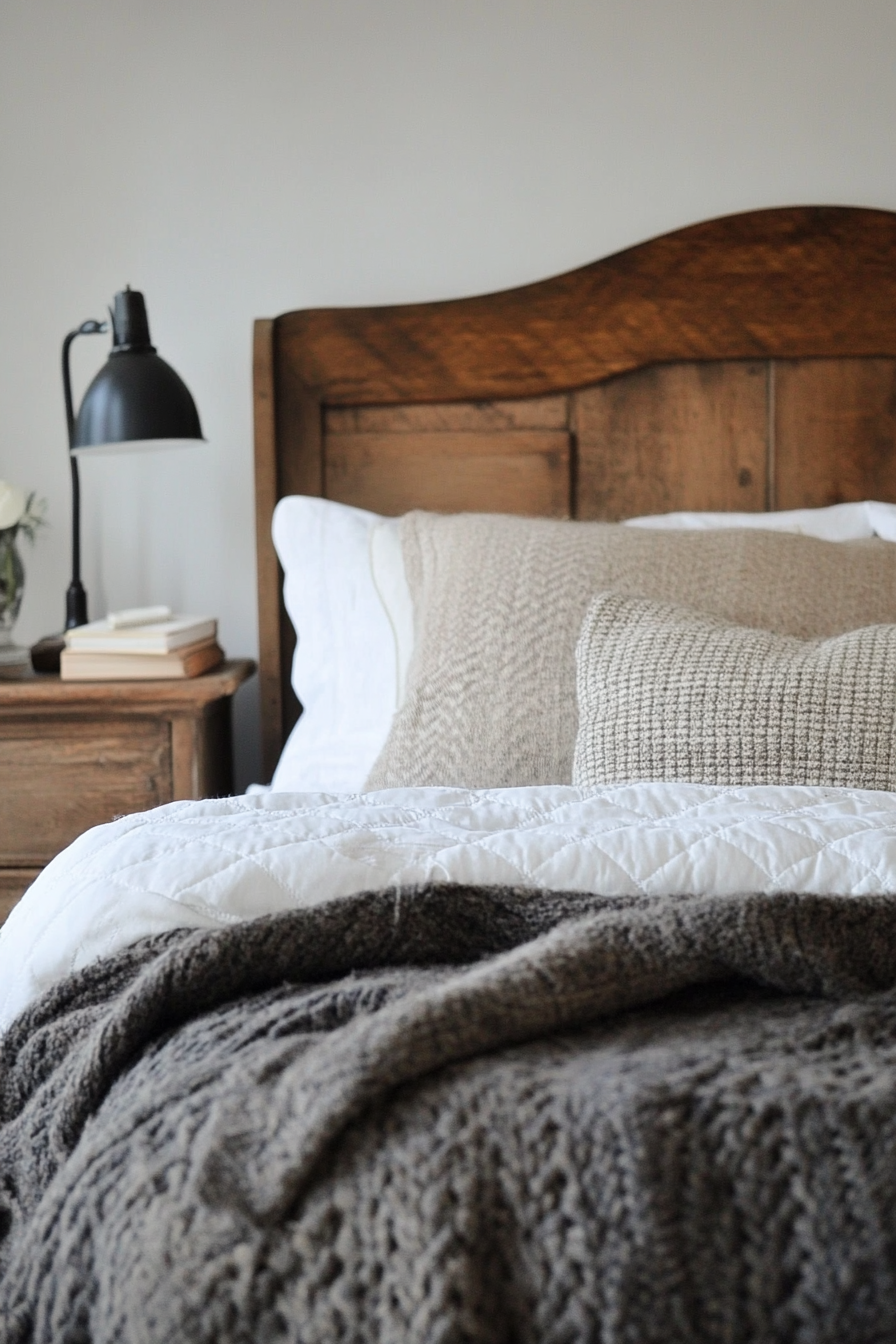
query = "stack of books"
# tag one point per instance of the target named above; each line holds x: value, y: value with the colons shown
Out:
x: 142, y: 644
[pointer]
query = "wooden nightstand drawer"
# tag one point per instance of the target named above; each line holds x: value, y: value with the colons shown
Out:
x: 76, y: 754
x: 62, y: 775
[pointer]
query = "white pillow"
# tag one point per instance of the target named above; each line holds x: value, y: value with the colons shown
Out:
x: 345, y: 666
x: 347, y: 596
x: 837, y: 522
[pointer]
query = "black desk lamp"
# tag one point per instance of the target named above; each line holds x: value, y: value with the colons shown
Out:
x: 135, y: 401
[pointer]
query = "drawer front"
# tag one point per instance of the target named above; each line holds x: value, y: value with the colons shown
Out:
x: 59, y: 776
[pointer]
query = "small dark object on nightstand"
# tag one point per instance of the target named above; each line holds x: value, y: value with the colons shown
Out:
x: 46, y: 652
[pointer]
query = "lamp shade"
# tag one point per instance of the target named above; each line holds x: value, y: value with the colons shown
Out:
x: 136, y: 400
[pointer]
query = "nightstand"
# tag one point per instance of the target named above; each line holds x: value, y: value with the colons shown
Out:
x: 74, y: 754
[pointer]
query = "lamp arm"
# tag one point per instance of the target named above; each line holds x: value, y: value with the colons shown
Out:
x: 75, y: 597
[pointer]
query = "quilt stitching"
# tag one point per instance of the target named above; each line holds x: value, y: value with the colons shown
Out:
x: 469, y: 839
x: 640, y: 838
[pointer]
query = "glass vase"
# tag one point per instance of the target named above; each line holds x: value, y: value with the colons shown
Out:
x: 12, y: 586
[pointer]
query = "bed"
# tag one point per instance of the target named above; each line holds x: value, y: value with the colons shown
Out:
x: 536, y: 1001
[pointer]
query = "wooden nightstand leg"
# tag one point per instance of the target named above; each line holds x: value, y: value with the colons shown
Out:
x: 185, y: 752
x: 201, y: 752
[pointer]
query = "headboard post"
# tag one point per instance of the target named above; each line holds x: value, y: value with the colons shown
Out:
x: 270, y: 579
x: 288, y: 460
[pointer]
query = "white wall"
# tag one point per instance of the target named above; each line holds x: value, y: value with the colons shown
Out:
x: 238, y: 158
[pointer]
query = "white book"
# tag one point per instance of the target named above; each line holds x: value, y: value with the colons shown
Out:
x: 154, y: 637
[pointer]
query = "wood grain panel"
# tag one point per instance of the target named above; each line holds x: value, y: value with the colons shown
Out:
x: 474, y: 416
x: 835, y: 431
x: 14, y: 882
x: 524, y: 472
x: 676, y: 436
x: 56, y: 785
x: 783, y: 283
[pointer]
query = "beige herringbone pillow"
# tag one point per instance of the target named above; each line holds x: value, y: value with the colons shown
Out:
x: 668, y: 693
x: 499, y: 602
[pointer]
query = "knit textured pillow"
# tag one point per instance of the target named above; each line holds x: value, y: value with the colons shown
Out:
x: 499, y: 602
x: 668, y: 693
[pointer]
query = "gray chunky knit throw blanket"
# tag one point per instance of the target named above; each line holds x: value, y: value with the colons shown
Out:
x: 463, y: 1114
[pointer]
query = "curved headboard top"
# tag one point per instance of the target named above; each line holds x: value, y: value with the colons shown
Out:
x: 781, y: 283
x: 746, y: 363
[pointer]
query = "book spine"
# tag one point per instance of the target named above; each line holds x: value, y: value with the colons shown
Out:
x: 77, y: 666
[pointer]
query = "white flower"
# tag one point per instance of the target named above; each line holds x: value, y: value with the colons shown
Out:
x: 12, y: 505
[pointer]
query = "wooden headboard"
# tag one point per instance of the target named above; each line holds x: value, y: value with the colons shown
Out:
x: 746, y: 363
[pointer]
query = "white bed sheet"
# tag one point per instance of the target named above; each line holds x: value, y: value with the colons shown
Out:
x: 212, y: 863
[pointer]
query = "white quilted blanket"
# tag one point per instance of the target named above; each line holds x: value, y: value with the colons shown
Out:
x: 203, y: 864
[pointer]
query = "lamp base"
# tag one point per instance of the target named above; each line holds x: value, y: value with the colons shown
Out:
x: 75, y: 605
